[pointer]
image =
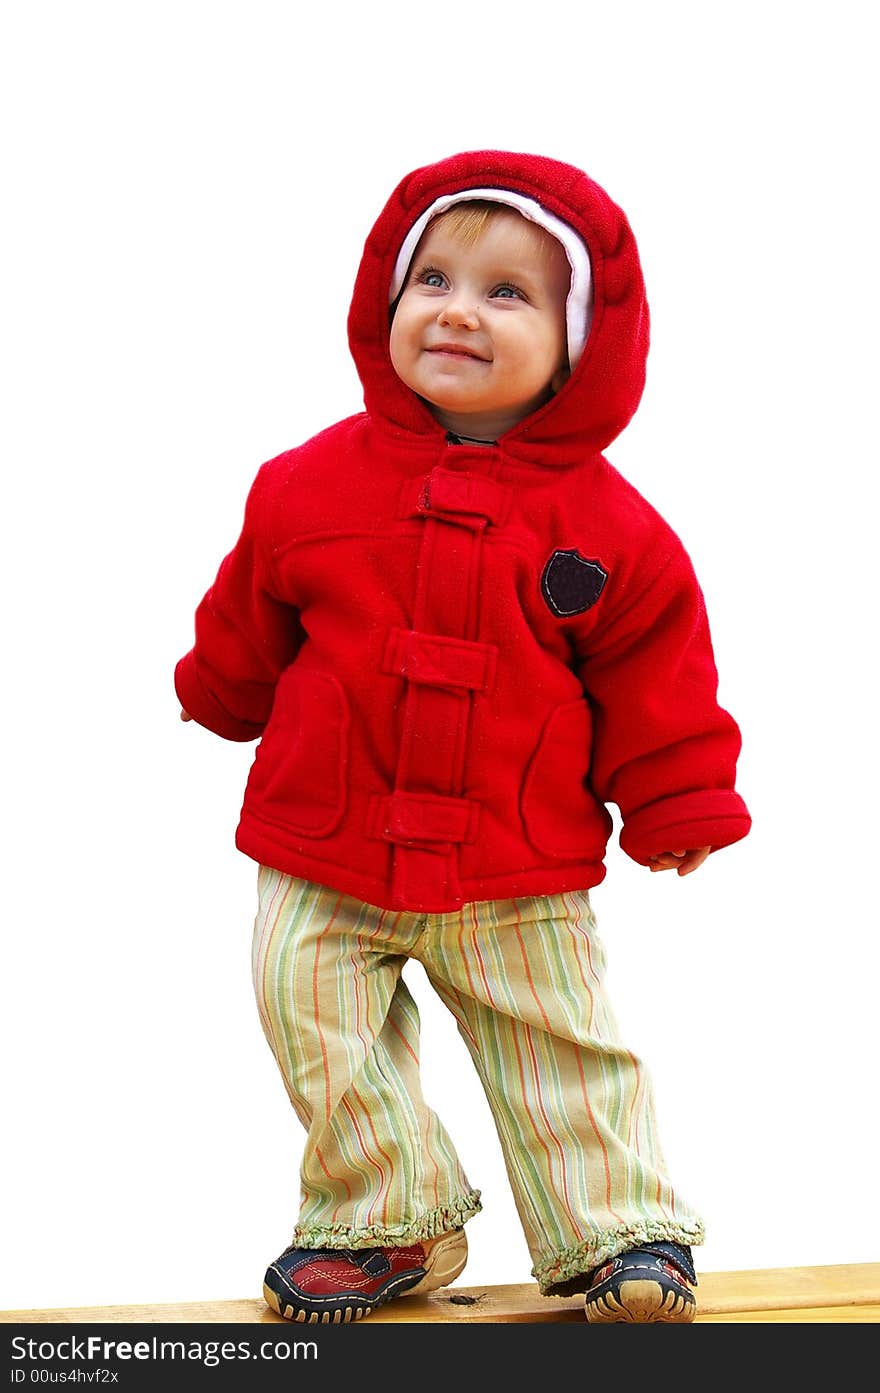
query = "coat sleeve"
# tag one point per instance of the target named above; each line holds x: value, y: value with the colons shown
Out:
x: 245, y: 636
x: 664, y: 751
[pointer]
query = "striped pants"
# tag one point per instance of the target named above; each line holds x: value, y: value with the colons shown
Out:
x: 524, y: 980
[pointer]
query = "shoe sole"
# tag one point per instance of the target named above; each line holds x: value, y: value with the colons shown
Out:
x: 445, y: 1260
x: 642, y: 1302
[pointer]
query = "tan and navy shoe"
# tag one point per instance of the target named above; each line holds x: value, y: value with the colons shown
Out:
x: 336, y: 1285
x: 651, y: 1283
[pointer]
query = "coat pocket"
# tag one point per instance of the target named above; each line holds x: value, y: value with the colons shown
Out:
x: 559, y: 812
x: 299, y: 776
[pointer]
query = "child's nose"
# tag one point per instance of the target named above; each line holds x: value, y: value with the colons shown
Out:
x: 459, y: 312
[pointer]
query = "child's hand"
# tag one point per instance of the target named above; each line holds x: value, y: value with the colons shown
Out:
x: 185, y: 716
x: 684, y: 861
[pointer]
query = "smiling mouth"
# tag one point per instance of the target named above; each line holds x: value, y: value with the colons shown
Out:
x: 449, y: 350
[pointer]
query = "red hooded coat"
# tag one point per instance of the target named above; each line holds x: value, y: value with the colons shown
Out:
x: 457, y: 656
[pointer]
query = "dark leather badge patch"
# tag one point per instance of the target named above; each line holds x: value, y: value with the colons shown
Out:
x: 570, y: 583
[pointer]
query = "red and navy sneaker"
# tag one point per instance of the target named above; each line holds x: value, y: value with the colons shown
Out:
x: 651, y: 1283
x: 342, y: 1284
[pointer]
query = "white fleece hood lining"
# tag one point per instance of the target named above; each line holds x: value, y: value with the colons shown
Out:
x: 579, y: 304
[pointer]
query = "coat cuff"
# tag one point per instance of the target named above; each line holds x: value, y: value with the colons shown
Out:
x: 715, y: 817
x: 195, y: 698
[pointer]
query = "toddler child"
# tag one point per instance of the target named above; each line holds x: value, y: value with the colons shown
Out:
x: 459, y: 634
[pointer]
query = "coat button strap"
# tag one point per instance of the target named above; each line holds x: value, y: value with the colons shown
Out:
x: 471, y: 500
x: 413, y: 818
x: 437, y: 661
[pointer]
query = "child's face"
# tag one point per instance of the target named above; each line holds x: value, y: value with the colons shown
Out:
x: 479, y: 331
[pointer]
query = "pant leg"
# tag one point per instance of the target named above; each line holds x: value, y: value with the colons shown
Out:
x: 573, y: 1106
x: 378, y: 1167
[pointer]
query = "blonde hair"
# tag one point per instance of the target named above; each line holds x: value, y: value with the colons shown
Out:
x: 467, y: 220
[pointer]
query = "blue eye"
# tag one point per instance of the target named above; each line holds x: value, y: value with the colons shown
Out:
x: 431, y: 277
x: 507, y: 292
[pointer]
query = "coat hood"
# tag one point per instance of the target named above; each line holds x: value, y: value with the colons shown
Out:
x: 607, y: 382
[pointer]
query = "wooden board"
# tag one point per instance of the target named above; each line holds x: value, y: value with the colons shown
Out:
x: 841, y: 1293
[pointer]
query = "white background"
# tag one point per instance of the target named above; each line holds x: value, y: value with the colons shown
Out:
x: 187, y: 189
